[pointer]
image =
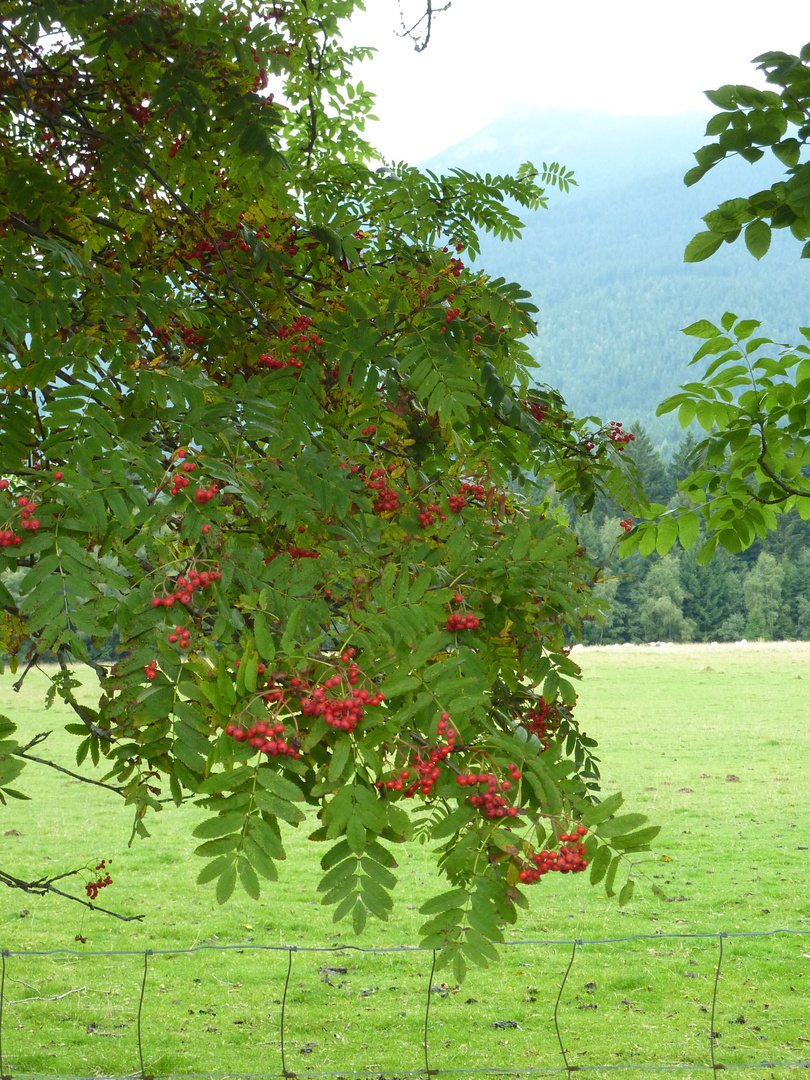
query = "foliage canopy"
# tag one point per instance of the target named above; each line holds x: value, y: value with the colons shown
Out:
x: 262, y: 421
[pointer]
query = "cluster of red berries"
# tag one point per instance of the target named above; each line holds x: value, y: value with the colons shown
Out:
x: 51, y: 145
x: 387, y: 500
x: 426, y: 766
x: 227, y: 238
x: 569, y: 860
x: 451, y: 315
x: 260, y: 231
x: 538, y: 412
x: 367, y: 432
x: 267, y: 738
x: 291, y: 248
x: 185, y: 586
x: 189, y: 335
x: 300, y: 327
x: 343, y: 713
x: 473, y: 491
x: 260, y: 81
x: 627, y: 524
x: 27, y: 508
x: 8, y: 538
x: 179, y: 480
x: 302, y: 553
x: 204, y: 495
x: 180, y: 636
x: 178, y: 142
x: 92, y: 888
x: 541, y: 720
x: 456, y: 503
x: 139, y: 113
x: 150, y: 670
x: 202, y: 249
x: 618, y: 436
x: 457, y: 621
x: 491, y: 802
x: 429, y: 515
x: 275, y: 364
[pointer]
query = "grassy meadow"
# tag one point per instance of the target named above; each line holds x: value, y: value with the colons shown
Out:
x: 712, y: 742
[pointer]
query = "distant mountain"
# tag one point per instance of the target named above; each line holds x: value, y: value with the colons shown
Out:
x: 605, y: 262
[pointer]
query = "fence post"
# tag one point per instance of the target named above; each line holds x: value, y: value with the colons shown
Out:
x: 146, y: 955
x: 715, y: 1066
x: 290, y: 950
x: 3, y: 954
x: 427, y: 1014
x: 568, y: 1068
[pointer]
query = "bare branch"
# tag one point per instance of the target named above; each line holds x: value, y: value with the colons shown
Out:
x: 43, y: 886
x: 60, y: 768
x: 419, y: 33
x: 82, y: 713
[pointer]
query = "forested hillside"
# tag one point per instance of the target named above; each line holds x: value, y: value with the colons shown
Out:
x: 605, y: 262
x: 605, y: 266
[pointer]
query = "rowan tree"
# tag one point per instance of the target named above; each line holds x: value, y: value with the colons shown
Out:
x: 263, y: 420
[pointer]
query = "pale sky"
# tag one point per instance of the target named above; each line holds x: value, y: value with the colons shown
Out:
x: 626, y: 56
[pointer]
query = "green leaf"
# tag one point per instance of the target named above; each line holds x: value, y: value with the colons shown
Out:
x: 688, y: 529
x: 520, y: 546
x: 624, y: 823
x: 706, y: 553
x: 260, y: 860
x: 226, y: 884
x: 446, y: 901
x: 358, y: 916
x: 478, y: 949
x: 636, y: 841
x: 611, y: 874
x: 600, y: 812
x: 217, y: 847
x: 667, y: 534
x: 379, y: 874
x: 701, y: 329
x: 702, y: 246
x: 758, y: 238
x: 250, y: 882
x: 599, y: 865
x: 399, y: 685
x: 213, y: 869
x: 340, y: 756
x: 356, y: 835
x: 459, y: 968
x: 263, y: 637
x: 626, y: 895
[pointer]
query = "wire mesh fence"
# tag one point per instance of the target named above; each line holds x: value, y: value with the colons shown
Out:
x: 326, y: 1011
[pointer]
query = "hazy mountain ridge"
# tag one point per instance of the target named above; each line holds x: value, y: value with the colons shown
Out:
x: 605, y: 262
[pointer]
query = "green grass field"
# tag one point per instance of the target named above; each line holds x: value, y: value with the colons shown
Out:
x: 713, y: 743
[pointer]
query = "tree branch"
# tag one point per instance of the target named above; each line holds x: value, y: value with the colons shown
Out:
x: 60, y: 768
x: 42, y: 886
x: 82, y: 713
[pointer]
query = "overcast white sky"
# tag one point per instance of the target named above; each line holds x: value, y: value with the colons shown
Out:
x: 624, y: 56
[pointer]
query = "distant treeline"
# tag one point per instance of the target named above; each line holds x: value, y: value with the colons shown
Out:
x: 763, y: 592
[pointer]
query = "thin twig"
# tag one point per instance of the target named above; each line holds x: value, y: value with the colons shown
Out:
x: 48, y: 997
